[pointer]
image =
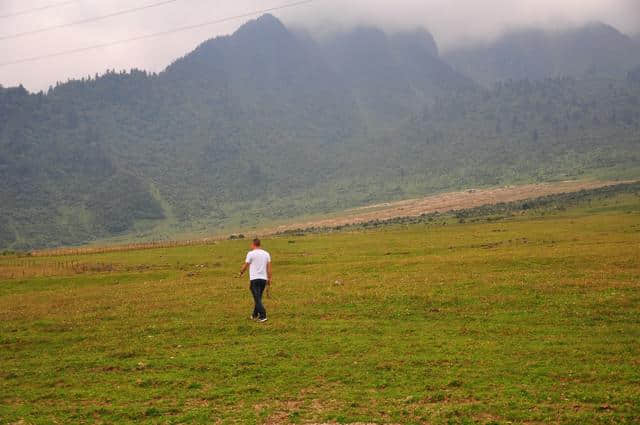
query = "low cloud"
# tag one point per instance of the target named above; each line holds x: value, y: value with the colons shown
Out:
x: 451, y: 21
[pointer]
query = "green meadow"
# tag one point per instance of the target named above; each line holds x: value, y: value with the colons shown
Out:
x: 529, y: 318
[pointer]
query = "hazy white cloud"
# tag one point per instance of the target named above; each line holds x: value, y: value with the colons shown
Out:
x: 451, y: 21
x: 456, y: 21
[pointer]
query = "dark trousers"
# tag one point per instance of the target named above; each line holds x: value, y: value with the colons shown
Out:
x: 257, y: 289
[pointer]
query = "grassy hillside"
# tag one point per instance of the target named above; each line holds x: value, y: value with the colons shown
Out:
x: 530, y: 318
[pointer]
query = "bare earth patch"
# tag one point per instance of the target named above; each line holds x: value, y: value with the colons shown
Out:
x: 445, y: 202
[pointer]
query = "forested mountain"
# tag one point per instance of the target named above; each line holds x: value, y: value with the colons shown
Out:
x: 595, y: 50
x: 391, y: 76
x: 267, y: 124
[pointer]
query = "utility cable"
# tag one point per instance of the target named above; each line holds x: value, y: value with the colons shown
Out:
x: 87, y: 20
x: 157, y: 34
x: 38, y: 9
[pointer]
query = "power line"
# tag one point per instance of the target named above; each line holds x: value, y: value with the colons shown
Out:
x: 157, y: 34
x: 87, y: 20
x: 38, y: 9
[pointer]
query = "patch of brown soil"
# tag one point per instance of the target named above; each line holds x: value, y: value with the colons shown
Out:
x: 446, y: 202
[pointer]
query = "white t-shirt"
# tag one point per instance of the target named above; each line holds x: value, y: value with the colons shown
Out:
x: 258, y: 260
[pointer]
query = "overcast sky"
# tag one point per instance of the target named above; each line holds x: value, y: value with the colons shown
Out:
x: 451, y: 21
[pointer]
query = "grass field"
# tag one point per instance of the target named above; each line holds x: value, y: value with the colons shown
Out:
x: 530, y: 319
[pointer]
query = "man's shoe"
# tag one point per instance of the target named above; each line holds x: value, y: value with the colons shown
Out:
x: 253, y: 318
x: 264, y: 319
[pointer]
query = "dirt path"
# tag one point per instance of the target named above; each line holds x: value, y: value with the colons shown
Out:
x: 445, y: 202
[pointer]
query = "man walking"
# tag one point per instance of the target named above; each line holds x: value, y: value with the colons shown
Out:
x: 258, y: 262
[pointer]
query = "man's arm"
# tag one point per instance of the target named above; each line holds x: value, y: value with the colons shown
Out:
x: 244, y: 268
x: 269, y: 275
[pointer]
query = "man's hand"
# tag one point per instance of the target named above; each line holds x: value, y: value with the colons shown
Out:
x: 268, y: 288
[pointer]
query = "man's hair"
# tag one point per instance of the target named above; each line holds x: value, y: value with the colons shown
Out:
x: 256, y: 242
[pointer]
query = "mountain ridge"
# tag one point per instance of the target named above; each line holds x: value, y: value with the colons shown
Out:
x: 596, y: 50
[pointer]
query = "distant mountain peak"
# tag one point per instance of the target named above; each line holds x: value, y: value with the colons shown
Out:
x: 251, y: 37
x: 600, y: 27
x: 266, y: 24
x: 419, y: 38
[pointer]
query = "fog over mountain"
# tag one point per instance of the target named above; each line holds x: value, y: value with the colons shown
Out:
x: 452, y: 22
x: 455, y: 22
x: 596, y: 49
